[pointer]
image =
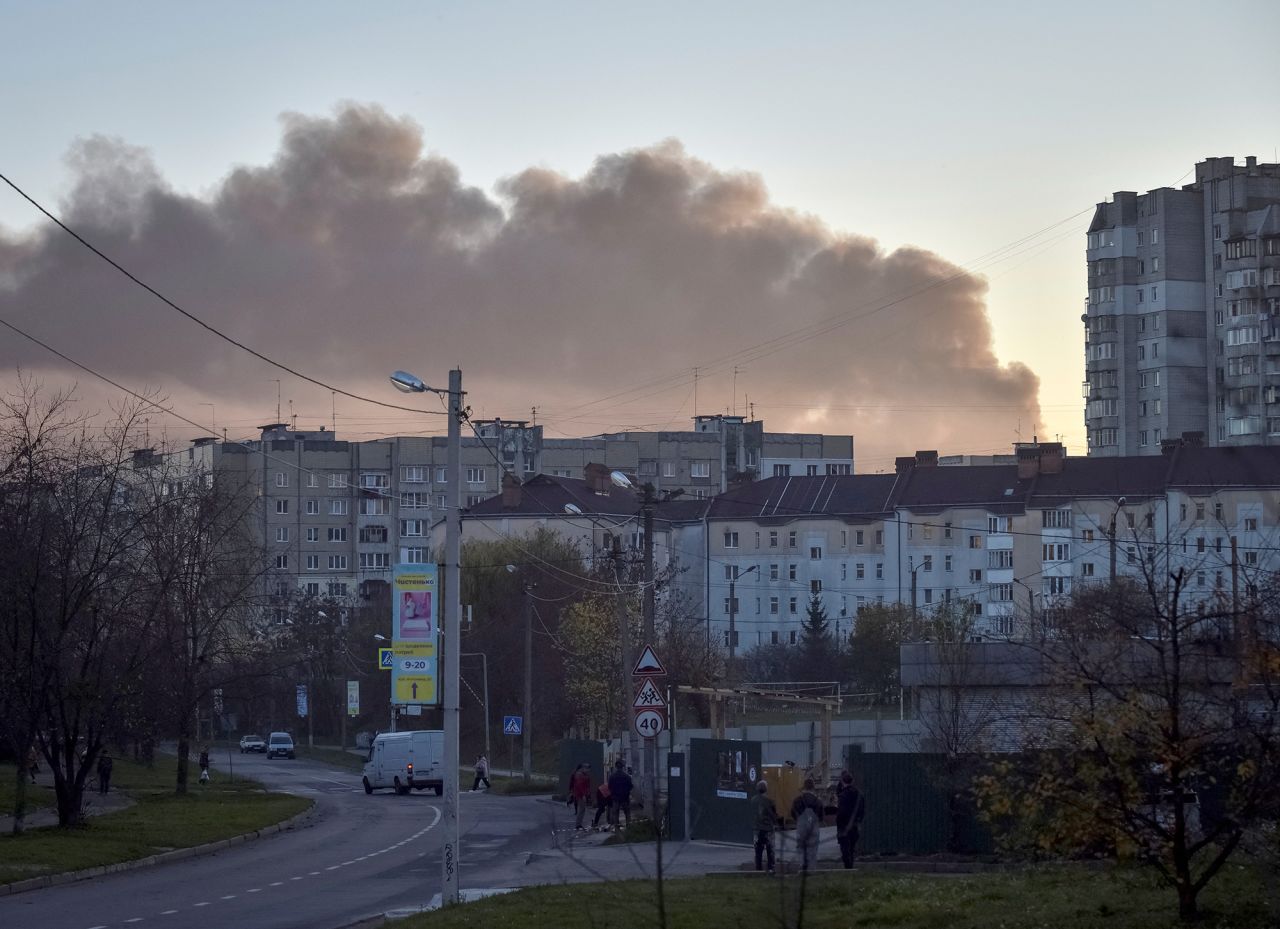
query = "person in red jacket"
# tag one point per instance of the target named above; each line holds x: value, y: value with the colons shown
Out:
x: 580, y: 793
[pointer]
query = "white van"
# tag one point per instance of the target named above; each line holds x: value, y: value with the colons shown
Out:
x: 406, y: 761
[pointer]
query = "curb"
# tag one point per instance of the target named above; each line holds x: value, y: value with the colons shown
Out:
x: 178, y: 854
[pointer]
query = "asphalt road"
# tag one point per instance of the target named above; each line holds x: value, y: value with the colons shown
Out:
x: 359, y: 856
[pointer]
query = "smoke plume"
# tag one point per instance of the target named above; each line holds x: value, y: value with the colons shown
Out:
x: 593, y: 298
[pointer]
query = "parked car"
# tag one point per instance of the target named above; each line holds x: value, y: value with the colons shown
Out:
x: 280, y: 745
x: 252, y: 743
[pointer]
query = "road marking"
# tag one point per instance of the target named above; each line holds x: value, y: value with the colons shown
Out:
x: 313, y: 873
x: 136, y: 919
x: 254, y: 890
x: 298, y: 878
x: 333, y: 867
x: 97, y: 927
x: 229, y: 897
x: 275, y: 883
x: 167, y: 912
x: 201, y: 903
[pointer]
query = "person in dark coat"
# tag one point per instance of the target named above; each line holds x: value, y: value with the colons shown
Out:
x: 764, y: 820
x: 807, y: 811
x: 602, y: 806
x: 850, y: 808
x: 104, y: 772
x: 204, y: 765
x: 620, y: 785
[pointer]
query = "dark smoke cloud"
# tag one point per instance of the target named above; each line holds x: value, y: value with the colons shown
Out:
x: 355, y: 252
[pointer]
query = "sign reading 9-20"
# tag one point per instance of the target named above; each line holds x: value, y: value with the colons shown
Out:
x: 414, y: 634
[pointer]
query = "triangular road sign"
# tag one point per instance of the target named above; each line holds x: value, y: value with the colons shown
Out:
x: 649, y: 663
x: 649, y: 698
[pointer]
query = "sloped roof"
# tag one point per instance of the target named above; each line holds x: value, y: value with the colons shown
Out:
x: 544, y: 495
x: 784, y: 497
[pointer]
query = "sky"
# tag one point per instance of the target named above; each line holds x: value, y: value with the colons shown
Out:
x: 581, y: 203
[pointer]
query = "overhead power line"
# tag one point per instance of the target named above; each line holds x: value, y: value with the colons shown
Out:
x: 191, y: 316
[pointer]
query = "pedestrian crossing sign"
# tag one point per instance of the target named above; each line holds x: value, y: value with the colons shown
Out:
x: 511, y: 725
x: 386, y: 659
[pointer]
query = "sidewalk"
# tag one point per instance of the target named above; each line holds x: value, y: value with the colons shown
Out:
x: 95, y: 804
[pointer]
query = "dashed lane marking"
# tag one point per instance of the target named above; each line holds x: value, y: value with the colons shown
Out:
x: 229, y: 897
x: 135, y: 919
x: 201, y: 903
x: 167, y: 912
x: 275, y: 883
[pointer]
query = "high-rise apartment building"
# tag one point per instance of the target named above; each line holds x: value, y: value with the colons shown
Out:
x: 1182, y: 320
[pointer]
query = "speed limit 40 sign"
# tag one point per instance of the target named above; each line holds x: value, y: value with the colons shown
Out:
x: 648, y: 723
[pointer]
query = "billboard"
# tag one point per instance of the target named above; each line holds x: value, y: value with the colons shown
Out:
x: 353, y: 698
x: 415, y: 634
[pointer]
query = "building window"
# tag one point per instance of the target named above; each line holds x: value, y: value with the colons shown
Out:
x: 730, y: 605
x: 1002, y: 593
x: 313, y: 507
x: 1086, y: 569
x: 773, y: 572
x: 730, y: 539
x: 475, y: 475
x: 412, y: 527
x: 811, y: 470
x: 337, y: 589
x: 975, y: 541
x: 415, y: 556
x: 1000, y: 559
x: 373, y: 534
x: 859, y: 570
x: 337, y: 533
x: 337, y: 562
x: 338, y: 507
x: 773, y: 539
x: 413, y: 474
x: 376, y: 506
x: 282, y: 533
x: 946, y: 563
x: 313, y: 479
x: 793, y: 603
x: 791, y: 539
x: 1056, y: 519
x: 313, y: 534
x: 476, y: 499
x: 815, y: 586
x: 815, y: 552
x: 668, y: 469
x: 282, y: 562
x: 844, y: 571
x: 412, y: 500
x: 282, y: 479
x: 857, y: 537
x: 313, y: 562
x: 700, y: 469
x: 313, y: 588
x: 782, y: 470
x: 1250, y: 524
x: 879, y: 570
x: 373, y: 480
x: 791, y: 572
x: 282, y: 506
x: 975, y: 575
x: 337, y: 479
x: 773, y: 605
x: 773, y: 637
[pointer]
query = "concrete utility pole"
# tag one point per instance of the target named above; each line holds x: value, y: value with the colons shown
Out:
x: 733, y: 630
x: 650, y: 778
x: 526, y: 756
x: 450, y: 857
x: 628, y: 735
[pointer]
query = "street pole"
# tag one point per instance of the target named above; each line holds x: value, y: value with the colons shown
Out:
x: 450, y: 852
x: 650, y: 778
x: 733, y: 631
x: 628, y: 735
x: 526, y: 755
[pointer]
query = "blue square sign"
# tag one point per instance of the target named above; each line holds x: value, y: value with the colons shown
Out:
x: 511, y: 725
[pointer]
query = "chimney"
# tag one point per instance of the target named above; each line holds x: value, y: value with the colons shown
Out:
x: 512, y: 492
x: 927, y: 459
x: 1052, y: 456
x: 1028, y: 456
x: 597, y: 478
x: 904, y: 464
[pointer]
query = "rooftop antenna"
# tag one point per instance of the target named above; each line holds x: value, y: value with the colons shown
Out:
x: 533, y: 411
x: 293, y: 418
x: 277, y: 380
x: 751, y: 408
x: 224, y: 435
x: 735, y: 390
x: 695, y: 392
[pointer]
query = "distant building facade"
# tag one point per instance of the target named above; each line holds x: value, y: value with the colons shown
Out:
x: 1182, y: 319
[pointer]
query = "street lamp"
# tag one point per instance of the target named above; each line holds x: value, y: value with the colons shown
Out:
x: 450, y: 857
x: 628, y: 734
x: 1111, y: 537
x: 733, y: 612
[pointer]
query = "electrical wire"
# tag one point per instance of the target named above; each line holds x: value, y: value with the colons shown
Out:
x: 191, y: 316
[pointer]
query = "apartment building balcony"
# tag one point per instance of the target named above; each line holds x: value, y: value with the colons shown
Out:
x: 999, y: 542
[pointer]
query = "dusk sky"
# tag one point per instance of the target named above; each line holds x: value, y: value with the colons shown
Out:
x: 579, y: 203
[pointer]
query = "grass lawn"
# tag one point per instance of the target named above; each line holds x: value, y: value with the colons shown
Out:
x: 1051, y: 897
x: 159, y: 821
x: 37, y: 797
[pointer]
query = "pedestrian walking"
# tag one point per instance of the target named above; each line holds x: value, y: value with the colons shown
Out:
x: 104, y: 771
x: 807, y: 811
x: 580, y: 793
x: 620, y: 785
x: 482, y: 773
x: 33, y: 765
x: 850, y: 807
x: 204, y: 765
x: 602, y: 806
x: 764, y: 818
